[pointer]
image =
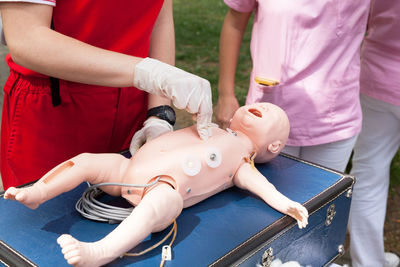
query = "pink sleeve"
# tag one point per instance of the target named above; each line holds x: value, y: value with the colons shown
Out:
x: 45, y: 2
x: 241, y: 5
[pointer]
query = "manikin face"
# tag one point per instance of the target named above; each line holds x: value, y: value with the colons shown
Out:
x: 266, y: 125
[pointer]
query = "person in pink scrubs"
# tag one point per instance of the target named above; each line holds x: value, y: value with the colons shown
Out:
x: 306, y: 60
x: 379, y: 139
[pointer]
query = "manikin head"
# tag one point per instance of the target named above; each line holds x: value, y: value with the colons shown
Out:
x: 266, y: 125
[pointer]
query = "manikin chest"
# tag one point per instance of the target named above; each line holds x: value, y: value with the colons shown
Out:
x: 194, y: 167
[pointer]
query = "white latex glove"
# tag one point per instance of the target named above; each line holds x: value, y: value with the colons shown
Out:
x: 152, y: 128
x: 186, y: 90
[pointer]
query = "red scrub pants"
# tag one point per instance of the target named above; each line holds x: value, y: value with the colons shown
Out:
x: 35, y: 136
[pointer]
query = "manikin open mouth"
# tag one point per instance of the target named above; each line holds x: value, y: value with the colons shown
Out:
x: 255, y: 112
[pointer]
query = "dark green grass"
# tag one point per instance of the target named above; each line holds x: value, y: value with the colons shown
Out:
x: 395, y: 172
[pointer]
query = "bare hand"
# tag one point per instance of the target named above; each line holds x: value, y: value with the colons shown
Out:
x: 226, y: 107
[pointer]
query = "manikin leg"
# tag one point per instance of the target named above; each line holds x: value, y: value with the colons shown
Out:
x: 155, y: 212
x: 94, y: 168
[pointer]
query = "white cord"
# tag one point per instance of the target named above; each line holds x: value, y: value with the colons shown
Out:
x: 91, y: 208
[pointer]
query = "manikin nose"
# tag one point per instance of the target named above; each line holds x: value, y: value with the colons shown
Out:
x: 265, y: 107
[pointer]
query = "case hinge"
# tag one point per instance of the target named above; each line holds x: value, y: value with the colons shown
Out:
x: 330, y: 213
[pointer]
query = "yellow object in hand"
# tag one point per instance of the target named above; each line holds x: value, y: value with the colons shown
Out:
x: 266, y: 81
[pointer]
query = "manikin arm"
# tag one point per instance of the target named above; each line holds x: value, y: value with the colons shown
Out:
x: 86, y: 167
x: 251, y: 179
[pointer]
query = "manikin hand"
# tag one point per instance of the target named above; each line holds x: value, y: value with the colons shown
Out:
x: 186, y: 91
x: 299, y: 212
x: 226, y: 107
x: 152, y: 128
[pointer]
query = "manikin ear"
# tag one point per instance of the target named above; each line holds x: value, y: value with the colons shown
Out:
x: 275, y: 147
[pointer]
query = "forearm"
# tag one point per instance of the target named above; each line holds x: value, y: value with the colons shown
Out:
x: 162, y: 43
x: 231, y: 38
x: 34, y: 45
x: 68, y: 59
x: 162, y: 46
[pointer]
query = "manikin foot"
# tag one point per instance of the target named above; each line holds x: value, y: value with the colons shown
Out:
x: 29, y: 196
x: 82, y: 254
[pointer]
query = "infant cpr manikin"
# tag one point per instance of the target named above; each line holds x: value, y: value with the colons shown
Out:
x: 187, y: 170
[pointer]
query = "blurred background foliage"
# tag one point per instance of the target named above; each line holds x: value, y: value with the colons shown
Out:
x: 197, y: 28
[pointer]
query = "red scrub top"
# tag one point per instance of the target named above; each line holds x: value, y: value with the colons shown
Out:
x: 35, y: 135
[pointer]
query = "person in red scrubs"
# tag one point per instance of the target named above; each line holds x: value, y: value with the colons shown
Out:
x: 80, y: 74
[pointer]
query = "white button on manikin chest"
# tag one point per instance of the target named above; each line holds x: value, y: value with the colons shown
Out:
x: 213, y: 157
x: 191, y: 165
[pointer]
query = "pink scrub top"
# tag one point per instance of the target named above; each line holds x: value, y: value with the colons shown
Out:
x: 380, y: 53
x: 312, y: 48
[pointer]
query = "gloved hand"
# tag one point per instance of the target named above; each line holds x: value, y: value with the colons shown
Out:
x: 152, y: 128
x: 186, y: 91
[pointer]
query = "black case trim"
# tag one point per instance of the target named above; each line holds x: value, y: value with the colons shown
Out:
x: 11, y: 257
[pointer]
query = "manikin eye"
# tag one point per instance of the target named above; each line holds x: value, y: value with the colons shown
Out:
x: 255, y: 112
x: 191, y: 165
x: 213, y: 157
